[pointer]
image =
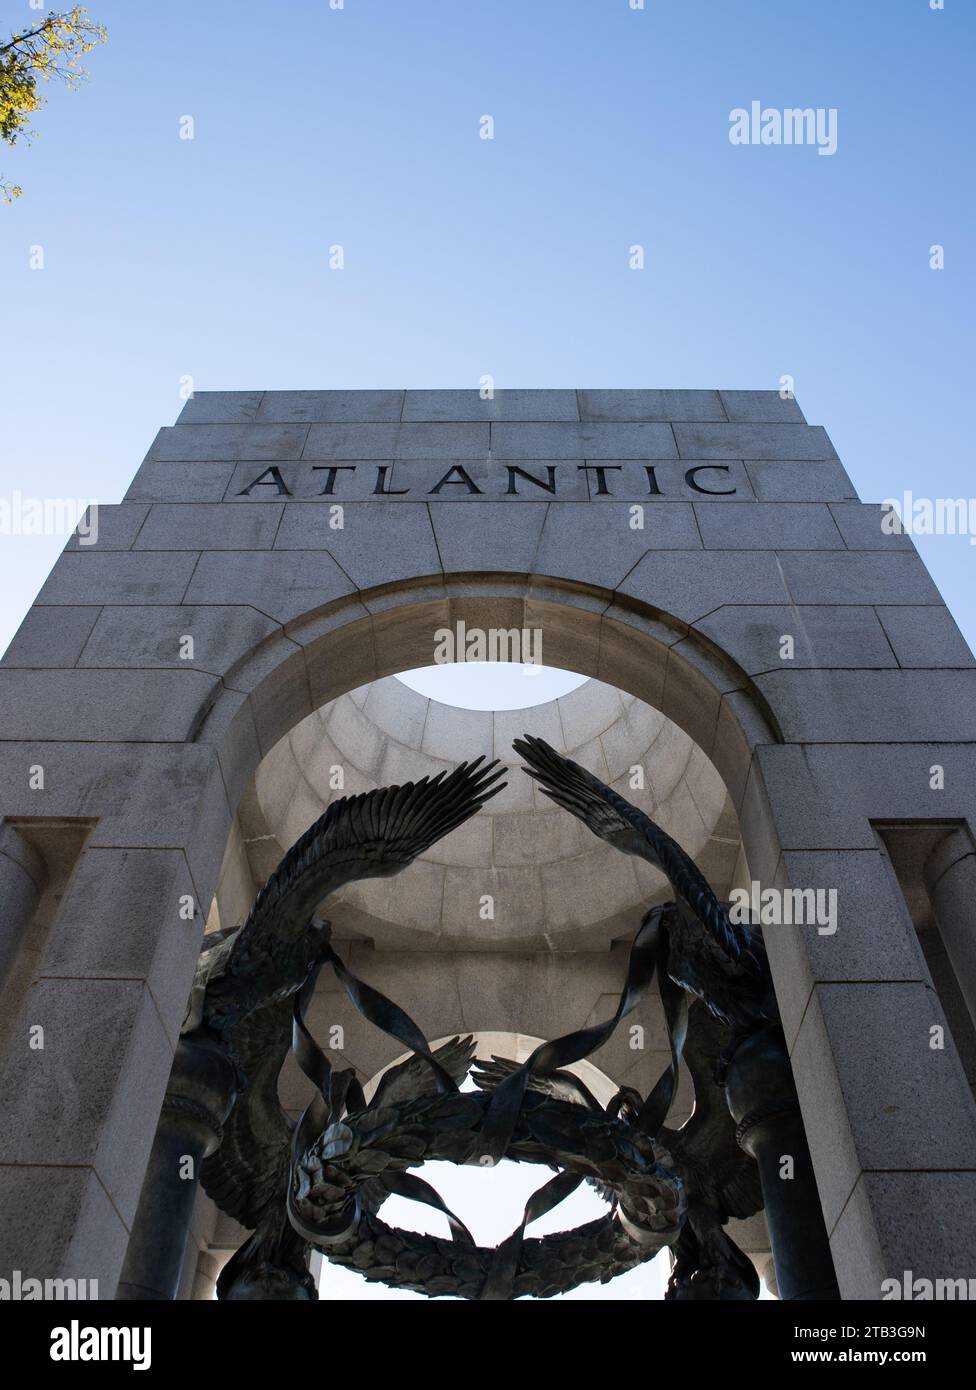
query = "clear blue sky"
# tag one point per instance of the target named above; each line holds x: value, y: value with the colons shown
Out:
x: 463, y: 256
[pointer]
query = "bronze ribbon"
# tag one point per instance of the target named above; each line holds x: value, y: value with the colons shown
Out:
x: 336, y: 1090
x: 339, y: 1090
x: 409, y: 1185
x: 499, y: 1282
x: 674, y: 1001
x: 377, y: 1009
x: 648, y: 948
x: 316, y: 1066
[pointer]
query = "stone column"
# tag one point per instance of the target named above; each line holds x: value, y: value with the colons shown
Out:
x: 23, y: 875
x: 201, y: 1091
x: 205, y: 1277
x: 950, y: 877
x: 763, y: 1102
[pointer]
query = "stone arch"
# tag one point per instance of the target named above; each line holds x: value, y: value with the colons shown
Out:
x: 623, y: 642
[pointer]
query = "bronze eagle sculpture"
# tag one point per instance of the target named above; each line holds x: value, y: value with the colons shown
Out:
x: 321, y: 1183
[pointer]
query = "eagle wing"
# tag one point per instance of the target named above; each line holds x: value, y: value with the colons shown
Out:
x: 560, y: 1085
x: 373, y: 835
x: 616, y: 820
x: 248, y: 1000
x: 414, y: 1078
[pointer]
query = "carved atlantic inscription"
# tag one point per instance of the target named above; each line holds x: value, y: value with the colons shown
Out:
x: 512, y: 480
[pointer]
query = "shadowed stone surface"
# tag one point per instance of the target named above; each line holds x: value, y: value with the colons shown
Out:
x: 505, y: 405
x: 760, y: 406
x: 753, y: 441
x: 181, y: 482
x: 925, y: 637
x: 283, y: 585
x: 822, y: 637
x: 288, y: 407
x: 223, y: 442
x: 203, y: 527
x: 409, y: 441
x: 651, y: 405
x: 898, y: 1096
x: 690, y: 586
x: 778, y: 480
x: 773, y: 526
x: 585, y: 441
x: 872, y: 1241
x: 121, y: 578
